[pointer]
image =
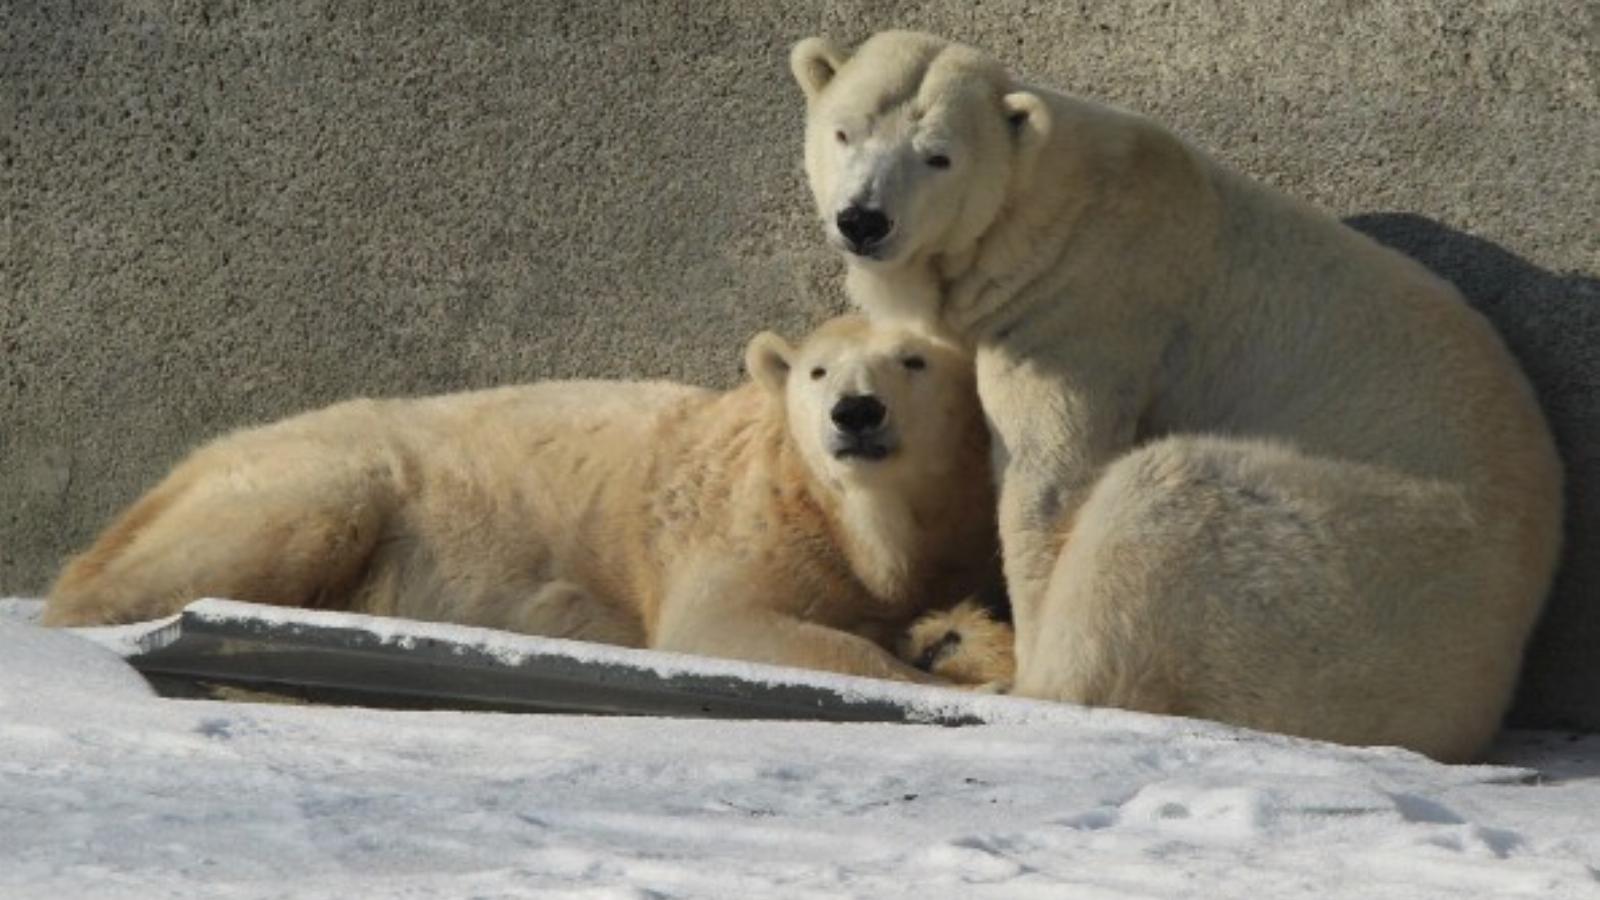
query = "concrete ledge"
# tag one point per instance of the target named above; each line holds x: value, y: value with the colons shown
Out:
x: 215, y: 214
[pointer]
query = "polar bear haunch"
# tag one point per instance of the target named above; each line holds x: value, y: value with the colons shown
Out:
x: 1253, y: 466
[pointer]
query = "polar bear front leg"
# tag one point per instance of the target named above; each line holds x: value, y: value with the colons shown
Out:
x: 564, y: 609
x: 724, y: 615
x: 1056, y: 423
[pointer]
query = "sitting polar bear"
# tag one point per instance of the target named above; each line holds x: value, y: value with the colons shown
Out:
x: 1253, y: 466
x: 800, y: 519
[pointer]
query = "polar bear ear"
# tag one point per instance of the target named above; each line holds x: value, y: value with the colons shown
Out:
x: 1029, y: 119
x: 814, y: 61
x: 767, y: 360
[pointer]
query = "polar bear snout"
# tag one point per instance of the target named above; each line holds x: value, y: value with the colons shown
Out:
x: 860, y: 430
x: 863, y: 229
x: 855, y: 413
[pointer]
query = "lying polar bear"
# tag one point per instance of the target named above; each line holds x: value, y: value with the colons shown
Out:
x: 1253, y: 466
x: 841, y: 492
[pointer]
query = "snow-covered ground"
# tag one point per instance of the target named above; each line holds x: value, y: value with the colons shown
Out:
x: 108, y: 791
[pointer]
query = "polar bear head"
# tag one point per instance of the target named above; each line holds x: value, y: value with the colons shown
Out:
x: 912, y: 144
x: 874, y: 404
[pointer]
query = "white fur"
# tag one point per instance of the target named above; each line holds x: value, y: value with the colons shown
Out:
x: 1254, y: 466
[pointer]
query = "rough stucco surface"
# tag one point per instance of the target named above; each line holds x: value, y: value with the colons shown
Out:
x: 218, y: 213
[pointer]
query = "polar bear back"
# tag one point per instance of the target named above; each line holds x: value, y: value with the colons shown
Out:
x: 1314, y: 326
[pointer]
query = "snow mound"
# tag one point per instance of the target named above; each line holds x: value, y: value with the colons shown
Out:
x: 43, y: 668
x: 21, y: 609
x: 111, y: 792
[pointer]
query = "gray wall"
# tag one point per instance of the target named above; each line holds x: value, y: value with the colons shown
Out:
x: 216, y: 214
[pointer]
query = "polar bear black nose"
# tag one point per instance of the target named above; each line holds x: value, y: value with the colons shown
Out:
x: 862, y: 227
x: 857, y: 413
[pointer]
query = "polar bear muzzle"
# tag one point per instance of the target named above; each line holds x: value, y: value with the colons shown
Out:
x: 862, y: 228
x: 860, y: 429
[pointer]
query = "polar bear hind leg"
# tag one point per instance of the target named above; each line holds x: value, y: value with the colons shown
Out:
x: 1253, y: 584
x: 293, y: 528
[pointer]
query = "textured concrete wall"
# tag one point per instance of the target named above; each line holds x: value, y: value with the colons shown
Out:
x: 216, y: 213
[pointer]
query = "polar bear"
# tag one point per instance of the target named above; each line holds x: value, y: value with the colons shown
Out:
x: 801, y: 519
x: 1253, y: 466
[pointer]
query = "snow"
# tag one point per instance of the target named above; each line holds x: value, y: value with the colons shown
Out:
x: 109, y: 791
x: 21, y: 609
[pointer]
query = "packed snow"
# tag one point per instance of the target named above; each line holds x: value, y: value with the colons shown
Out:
x: 109, y: 791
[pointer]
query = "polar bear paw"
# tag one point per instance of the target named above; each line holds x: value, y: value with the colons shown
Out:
x: 964, y: 644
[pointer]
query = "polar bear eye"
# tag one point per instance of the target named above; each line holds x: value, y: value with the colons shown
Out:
x: 914, y: 363
x: 939, y: 161
x: 817, y: 373
x: 841, y: 137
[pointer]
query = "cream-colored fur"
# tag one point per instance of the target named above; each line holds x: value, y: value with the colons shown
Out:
x: 964, y: 644
x: 1254, y: 467
x: 640, y: 514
